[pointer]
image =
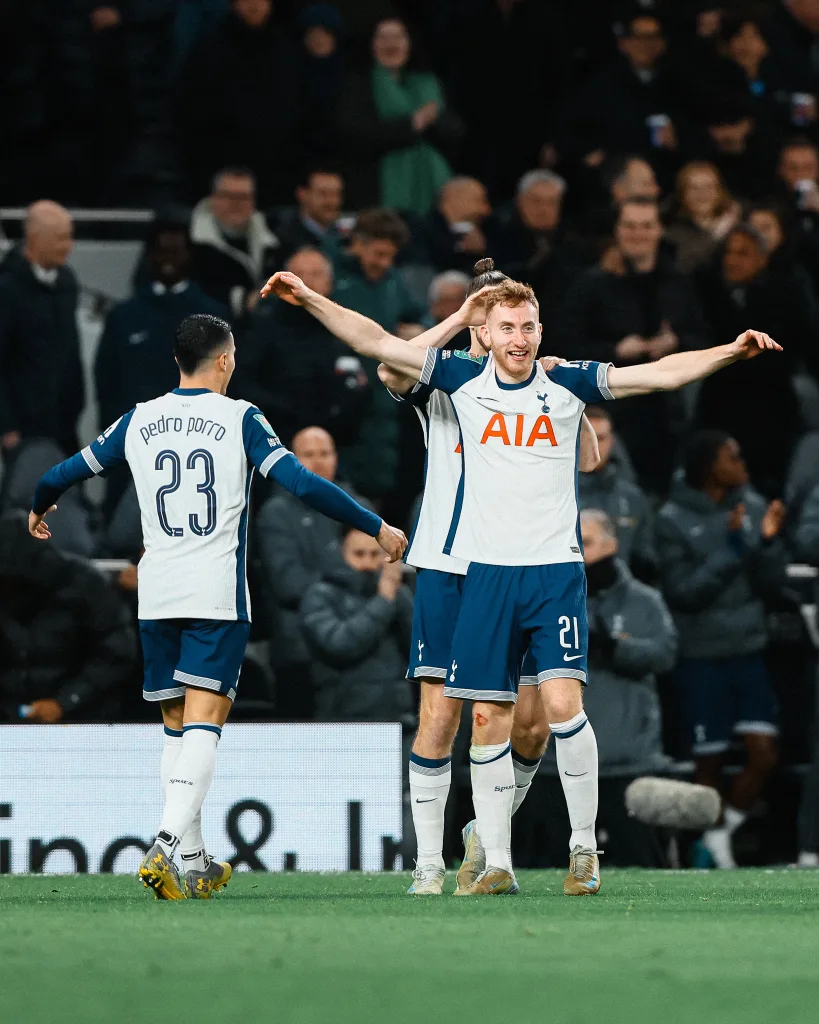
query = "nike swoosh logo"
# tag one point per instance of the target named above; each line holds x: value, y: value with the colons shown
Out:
x: 574, y: 657
x: 575, y: 775
x: 429, y: 801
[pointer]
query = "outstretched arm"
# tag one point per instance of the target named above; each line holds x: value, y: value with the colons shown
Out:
x: 363, y: 335
x: 675, y: 371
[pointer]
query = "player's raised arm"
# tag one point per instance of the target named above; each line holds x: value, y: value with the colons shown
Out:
x: 363, y: 335
x: 675, y: 371
x: 108, y: 450
x: 271, y: 458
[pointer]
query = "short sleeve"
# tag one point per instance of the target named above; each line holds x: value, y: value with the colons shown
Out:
x: 587, y: 380
x: 448, y: 371
x: 262, y: 445
x: 109, y: 448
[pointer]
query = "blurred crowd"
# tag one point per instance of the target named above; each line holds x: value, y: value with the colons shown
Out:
x: 652, y: 170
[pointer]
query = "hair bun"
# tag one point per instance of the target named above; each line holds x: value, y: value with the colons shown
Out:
x: 484, y: 266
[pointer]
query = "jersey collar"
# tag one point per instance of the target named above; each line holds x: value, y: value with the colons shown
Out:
x: 515, y: 387
x: 192, y: 391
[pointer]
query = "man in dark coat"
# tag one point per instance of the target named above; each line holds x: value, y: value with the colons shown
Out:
x: 41, y: 385
x: 66, y: 639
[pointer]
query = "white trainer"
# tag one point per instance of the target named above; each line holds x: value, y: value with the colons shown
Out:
x: 427, y: 880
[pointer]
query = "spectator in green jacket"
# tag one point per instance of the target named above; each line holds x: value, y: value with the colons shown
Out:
x: 366, y: 280
x: 719, y: 554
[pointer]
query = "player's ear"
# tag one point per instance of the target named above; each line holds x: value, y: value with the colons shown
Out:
x: 483, y: 334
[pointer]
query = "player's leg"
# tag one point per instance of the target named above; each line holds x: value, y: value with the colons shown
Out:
x: 530, y: 734
x: 485, y: 660
x: 192, y: 845
x: 556, y: 616
x: 209, y: 665
x: 435, y: 612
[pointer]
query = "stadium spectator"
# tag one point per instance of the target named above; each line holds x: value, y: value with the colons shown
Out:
x: 719, y: 552
x: 66, y: 641
x: 702, y: 213
x: 234, y: 250
x: 295, y: 370
x: 622, y: 178
x: 609, y: 490
x: 740, y: 291
x: 134, y: 361
x: 313, y: 222
x: 632, y: 639
x: 296, y: 547
x: 245, y: 63
x: 452, y: 233
x: 396, y: 131
x: 739, y: 147
x: 322, y: 73
x: 806, y: 548
x: 631, y: 105
x: 357, y: 621
x: 529, y: 241
x: 367, y: 281
x: 636, y: 309
x: 783, y: 257
x: 798, y: 173
x: 446, y: 296
x: 41, y: 385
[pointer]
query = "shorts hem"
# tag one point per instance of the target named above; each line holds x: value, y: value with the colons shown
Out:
x: 428, y: 672
x: 528, y: 681
x: 202, y: 682
x: 562, y: 673
x: 175, y: 691
x: 498, y: 695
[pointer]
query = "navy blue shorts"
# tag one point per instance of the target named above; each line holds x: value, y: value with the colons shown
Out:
x: 504, y: 610
x: 723, y: 696
x: 434, y: 616
x: 203, y: 653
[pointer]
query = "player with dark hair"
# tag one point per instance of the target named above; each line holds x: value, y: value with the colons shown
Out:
x: 192, y: 453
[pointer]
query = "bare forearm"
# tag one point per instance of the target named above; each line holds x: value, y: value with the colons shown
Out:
x: 589, y: 449
x: 669, y: 373
x: 440, y: 334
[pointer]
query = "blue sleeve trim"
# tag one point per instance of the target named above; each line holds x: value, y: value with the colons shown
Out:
x: 449, y: 371
x: 586, y: 380
x: 262, y: 445
x: 322, y: 495
x: 109, y: 448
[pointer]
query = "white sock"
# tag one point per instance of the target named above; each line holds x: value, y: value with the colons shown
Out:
x: 493, y: 791
x: 525, y: 770
x: 429, y: 782
x: 192, y: 845
x: 732, y: 818
x: 576, y: 750
x: 188, y: 783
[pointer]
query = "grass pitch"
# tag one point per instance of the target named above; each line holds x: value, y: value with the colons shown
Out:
x: 353, y: 949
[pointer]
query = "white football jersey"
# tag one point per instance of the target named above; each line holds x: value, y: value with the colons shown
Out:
x: 516, y: 502
x: 191, y: 454
x: 442, y: 475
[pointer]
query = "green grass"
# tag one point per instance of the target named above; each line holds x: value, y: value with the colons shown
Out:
x: 353, y: 949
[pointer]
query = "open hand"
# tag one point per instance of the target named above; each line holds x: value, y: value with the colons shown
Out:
x: 37, y: 526
x: 473, y: 311
x: 392, y: 541
x: 753, y: 343
x: 550, y: 362
x: 287, y: 286
x: 772, y: 520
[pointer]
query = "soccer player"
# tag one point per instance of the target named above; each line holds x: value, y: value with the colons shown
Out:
x: 515, y: 522
x: 439, y: 582
x: 192, y: 453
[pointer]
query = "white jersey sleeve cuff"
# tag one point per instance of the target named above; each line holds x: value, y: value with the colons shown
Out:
x: 603, y: 381
x: 272, y: 459
x: 429, y: 365
x: 91, y: 460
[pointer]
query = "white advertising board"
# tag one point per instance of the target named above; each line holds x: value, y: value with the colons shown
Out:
x: 313, y: 797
